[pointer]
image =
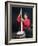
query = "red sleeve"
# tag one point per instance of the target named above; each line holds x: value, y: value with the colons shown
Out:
x: 28, y: 23
x: 18, y: 19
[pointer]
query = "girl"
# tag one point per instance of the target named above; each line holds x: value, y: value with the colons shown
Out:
x: 26, y: 24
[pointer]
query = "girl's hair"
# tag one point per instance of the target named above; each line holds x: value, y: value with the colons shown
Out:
x: 26, y: 13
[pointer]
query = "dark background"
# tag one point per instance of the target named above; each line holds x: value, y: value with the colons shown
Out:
x: 15, y: 13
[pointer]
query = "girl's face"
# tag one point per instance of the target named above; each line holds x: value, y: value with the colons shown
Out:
x: 25, y: 16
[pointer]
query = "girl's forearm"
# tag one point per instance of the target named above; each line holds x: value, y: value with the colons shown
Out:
x: 22, y: 19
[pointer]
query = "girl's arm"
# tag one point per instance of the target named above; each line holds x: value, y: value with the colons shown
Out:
x: 22, y: 19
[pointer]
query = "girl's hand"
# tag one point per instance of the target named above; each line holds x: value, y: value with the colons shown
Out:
x: 22, y: 19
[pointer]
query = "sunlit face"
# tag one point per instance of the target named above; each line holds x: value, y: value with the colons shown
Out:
x: 25, y: 16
